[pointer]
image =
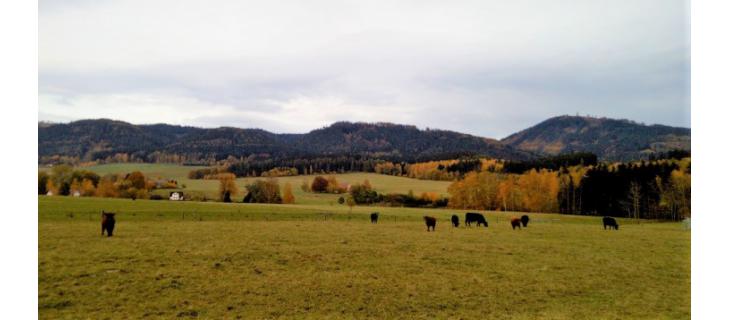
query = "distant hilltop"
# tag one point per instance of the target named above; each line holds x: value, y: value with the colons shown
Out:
x: 609, y: 139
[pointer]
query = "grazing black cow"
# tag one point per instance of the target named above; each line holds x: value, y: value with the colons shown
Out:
x: 374, y: 217
x: 610, y: 223
x: 107, y: 223
x: 430, y: 223
x: 525, y: 219
x: 455, y: 221
x: 475, y: 217
x: 515, y: 222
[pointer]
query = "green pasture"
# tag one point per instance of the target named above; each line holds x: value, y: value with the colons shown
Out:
x: 209, y: 188
x: 317, y: 260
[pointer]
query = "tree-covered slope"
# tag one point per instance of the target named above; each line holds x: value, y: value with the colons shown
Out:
x: 609, y: 139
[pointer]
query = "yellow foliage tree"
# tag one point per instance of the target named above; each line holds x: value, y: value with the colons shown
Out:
x: 51, y: 187
x: 227, y: 187
x: 87, y: 188
x: 106, y: 188
x: 539, y: 190
x: 75, y: 187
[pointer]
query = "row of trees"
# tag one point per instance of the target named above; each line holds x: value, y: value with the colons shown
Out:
x: 652, y: 190
x: 105, y: 157
x: 63, y: 180
x: 655, y: 190
x: 321, y: 184
x: 258, y: 191
x: 534, y: 191
x: 444, y: 170
x: 553, y: 163
x: 270, y: 167
x: 257, y: 166
x: 364, y: 194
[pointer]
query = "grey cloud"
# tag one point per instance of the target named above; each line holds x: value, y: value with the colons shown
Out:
x: 487, y: 67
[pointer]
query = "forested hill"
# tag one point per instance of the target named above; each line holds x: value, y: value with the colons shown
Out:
x: 609, y: 139
x: 98, y: 139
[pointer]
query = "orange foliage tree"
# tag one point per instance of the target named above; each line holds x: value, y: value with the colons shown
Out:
x: 287, y: 196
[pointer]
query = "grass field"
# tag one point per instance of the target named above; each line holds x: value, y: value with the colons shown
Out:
x: 381, y: 183
x: 215, y: 260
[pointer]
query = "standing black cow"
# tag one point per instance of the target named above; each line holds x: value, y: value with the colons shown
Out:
x: 475, y: 217
x: 610, y: 223
x: 525, y: 219
x: 515, y: 222
x: 430, y: 223
x: 107, y: 223
x: 374, y: 217
x: 455, y: 221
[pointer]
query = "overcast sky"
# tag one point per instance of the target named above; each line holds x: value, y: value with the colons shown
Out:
x: 488, y: 68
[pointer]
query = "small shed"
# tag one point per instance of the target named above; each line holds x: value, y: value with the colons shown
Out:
x: 176, y: 196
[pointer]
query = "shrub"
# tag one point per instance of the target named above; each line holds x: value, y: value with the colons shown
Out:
x: 319, y: 184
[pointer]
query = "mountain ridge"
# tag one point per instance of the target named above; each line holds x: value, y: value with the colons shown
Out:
x: 100, y: 138
x: 609, y: 139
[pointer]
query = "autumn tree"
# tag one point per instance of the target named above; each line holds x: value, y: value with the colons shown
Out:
x: 333, y: 186
x: 134, y: 186
x: 681, y: 183
x: 87, y: 188
x: 366, y: 184
x: 319, y: 184
x: 675, y: 194
x: 508, y: 194
x: 51, y: 187
x: 263, y: 191
x: 75, y: 187
x: 62, y: 176
x: 363, y: 193
x: 137, y: 180
x: 288, y: 196
x: 227, y: 186
x: 107, y: 187
x: 634, y: 200
x: 539, y: 190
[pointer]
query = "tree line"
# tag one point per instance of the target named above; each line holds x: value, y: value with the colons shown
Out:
x: 63, y: 180
x: 647, y: 190
x: 364, y: 194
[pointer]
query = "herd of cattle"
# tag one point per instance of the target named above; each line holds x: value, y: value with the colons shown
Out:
x: 108, y: 221
x: 478, y: 218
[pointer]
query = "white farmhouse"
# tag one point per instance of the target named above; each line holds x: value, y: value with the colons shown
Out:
x: 176, y: 196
